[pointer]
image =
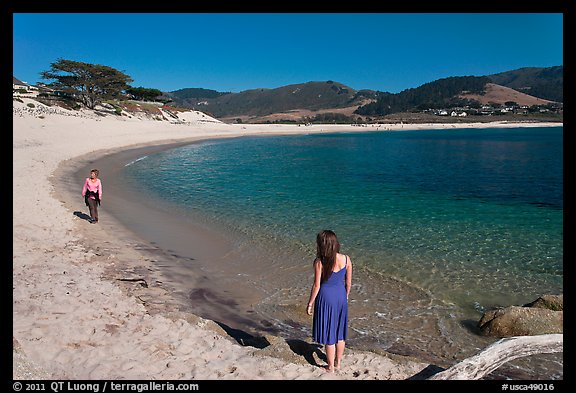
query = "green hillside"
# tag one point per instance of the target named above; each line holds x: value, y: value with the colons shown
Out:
x: 326, y: 96
x: 437, y: 94
x: 261, y: 102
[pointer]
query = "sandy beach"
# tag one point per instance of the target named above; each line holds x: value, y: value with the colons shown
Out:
x: 88, y: 302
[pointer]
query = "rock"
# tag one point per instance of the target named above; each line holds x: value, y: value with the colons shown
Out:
x: 521, y: 321
x: 551, y: 302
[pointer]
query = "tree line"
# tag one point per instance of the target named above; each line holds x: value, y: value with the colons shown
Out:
x: 92, y: 84
x: 432, y: 95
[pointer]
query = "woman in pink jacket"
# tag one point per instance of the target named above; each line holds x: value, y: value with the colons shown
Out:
x: 92, y: 193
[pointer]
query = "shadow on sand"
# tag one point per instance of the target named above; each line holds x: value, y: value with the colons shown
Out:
x: 81, y: 215
x: 296, y: 347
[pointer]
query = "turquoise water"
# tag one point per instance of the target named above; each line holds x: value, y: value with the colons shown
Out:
x: 473, y: 218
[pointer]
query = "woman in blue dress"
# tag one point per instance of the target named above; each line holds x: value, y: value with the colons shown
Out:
x: 329, y: 296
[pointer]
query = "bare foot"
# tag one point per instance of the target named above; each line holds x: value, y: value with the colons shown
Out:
x: 337, y: 365
x: 329, y: 369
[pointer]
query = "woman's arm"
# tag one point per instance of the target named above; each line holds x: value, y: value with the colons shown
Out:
x: 84, y: 187
x: 348, y: 277
x: 99, y: 189
x: 315, y: 285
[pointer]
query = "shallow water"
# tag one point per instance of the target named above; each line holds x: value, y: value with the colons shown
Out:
x: 440, y: 225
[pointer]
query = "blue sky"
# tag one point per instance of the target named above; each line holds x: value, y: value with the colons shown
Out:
x: 240, y: 51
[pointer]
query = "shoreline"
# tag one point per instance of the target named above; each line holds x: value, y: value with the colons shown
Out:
x: 200, y: 267
x: 126, y: 211
x: 237, y: 304
x: 67, y: 280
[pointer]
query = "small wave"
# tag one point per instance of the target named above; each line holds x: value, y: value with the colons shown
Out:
x: 136, y: 160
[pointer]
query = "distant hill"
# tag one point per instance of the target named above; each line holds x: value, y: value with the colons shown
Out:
x: 332, y: 101
x: 498, y: 94
x: 433, y: 95
x: 190, y: 96
x: 546, y: 83
x: 310, y: 96
x: 517, y: 86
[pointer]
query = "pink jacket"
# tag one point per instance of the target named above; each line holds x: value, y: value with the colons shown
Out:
x: 94, y: 187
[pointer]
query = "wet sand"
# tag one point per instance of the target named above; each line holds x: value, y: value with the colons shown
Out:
x: 198, y: 266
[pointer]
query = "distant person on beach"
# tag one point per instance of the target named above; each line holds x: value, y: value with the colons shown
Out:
x: 92, y: 193
x: 329, y: 296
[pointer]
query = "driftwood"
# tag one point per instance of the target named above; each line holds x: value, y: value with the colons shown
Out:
x: 500, y: 352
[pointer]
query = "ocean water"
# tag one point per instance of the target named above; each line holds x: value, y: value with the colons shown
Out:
x: 441, y: 225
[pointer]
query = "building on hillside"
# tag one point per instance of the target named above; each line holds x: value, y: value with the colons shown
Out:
x: 23, y: 88
x: 18, y: 84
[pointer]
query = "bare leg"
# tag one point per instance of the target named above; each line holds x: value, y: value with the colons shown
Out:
x: 339, y: 353
x: 330, y: 353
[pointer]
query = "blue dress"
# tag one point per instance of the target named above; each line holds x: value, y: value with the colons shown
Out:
x: 330, y: 321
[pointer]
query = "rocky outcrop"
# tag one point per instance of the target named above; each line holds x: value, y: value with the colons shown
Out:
x: 542, y: 316
x: 551, y: 302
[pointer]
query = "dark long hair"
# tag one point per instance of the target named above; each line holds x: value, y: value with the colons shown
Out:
x: 327, y: 246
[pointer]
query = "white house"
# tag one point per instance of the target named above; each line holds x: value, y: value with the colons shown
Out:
x: 20, y: 87
x: 18, y: 84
